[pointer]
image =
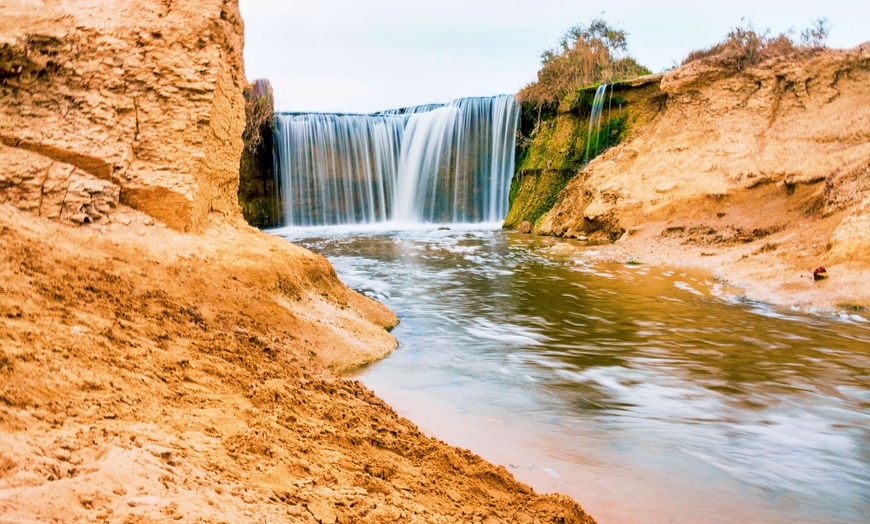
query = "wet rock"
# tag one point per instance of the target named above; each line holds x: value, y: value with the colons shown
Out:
x: 525, y: 227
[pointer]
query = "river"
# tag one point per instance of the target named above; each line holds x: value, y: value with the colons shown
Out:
x: 647, y: 394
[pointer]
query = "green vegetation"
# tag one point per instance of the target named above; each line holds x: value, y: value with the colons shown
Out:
x: 562, y: 142
x: 533, y: 194
x: 745, y: 46
x: 586, y: 56
x: 555, y: 139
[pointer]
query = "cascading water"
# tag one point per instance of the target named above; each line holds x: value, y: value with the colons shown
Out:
x: 448, y: 163
x: 594, y: 146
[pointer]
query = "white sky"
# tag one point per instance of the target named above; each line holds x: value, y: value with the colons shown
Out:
x: 368, y: 55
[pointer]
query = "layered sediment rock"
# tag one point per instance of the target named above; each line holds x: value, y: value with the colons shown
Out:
x: 759, y: 174
x: 791, y: 123
x: 787, y: 122
x: 143, y: 96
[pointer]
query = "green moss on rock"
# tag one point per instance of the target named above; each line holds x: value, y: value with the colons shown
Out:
x: 533, y: 194
x: 560, y: 145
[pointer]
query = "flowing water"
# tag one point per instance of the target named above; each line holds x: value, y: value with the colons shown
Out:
x: 593, y: 140
x: 647, y: 394
x: 433, y: 163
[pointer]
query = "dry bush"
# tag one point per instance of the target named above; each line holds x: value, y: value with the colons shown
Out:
x: 258, y: 193
x: 258, y: 115
x: 746, y: 46
x: 586, y: 55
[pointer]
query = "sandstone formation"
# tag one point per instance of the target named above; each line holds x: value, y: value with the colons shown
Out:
x: 760, y: 175
x: 162, y: 377
x: 141, y: 94
x: 161, y: 361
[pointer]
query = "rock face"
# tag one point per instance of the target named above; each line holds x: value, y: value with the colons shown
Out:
x: 758, y: 175
x: 792, y: 131
x: 138, y: 101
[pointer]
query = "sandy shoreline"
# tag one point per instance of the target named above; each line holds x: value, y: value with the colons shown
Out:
x: 780, y: 276
x: 147, y: 374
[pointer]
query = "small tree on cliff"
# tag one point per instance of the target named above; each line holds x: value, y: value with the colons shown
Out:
x: 586, y: 55
x: 258, y: 117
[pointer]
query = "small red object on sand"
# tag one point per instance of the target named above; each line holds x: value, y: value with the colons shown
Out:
x: 820, y: 273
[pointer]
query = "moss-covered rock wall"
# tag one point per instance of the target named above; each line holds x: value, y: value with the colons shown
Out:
x: 556, y: 143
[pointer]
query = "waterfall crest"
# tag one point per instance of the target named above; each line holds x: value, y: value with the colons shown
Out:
x: 449, y: 163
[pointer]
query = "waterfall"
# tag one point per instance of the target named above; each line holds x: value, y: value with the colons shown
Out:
x: 593, y: 142
x: 450, y: 163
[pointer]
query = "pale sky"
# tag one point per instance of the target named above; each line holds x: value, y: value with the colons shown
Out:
x: 369, y: 55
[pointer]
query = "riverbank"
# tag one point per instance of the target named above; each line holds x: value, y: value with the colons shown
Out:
x: 590, y: 377
x: 759, y: 175
x: 151, y: 374
x: 775, y: 266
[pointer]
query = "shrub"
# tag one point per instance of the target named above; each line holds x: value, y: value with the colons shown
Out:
x: 586, y: 55
x: 258, y: 194
x: 817, y: 34
x: 258, y: 116
x: 745, y: 46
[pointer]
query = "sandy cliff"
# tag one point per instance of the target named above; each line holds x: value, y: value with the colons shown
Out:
x: 138, y: 96
x: 760, y: 175
x: 161, y: 361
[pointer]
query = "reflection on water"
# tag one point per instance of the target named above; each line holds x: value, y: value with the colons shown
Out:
x: 648, y: 395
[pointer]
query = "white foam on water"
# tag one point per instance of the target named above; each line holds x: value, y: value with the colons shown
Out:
x: 686, y: 287
x: 509, y: 333
x: 433, y: 229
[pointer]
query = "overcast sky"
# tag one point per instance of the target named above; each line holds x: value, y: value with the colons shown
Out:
x: 368, y: 55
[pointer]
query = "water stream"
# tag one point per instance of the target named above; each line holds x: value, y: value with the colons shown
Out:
x: 647, y: 394
x: 425, y: 164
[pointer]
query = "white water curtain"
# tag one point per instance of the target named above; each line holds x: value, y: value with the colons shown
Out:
x: 427, y: 164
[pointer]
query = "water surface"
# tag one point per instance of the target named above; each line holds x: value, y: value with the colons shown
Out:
x: 647, y: 394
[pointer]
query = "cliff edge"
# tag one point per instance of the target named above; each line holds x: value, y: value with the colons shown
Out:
x: 759, y: 175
